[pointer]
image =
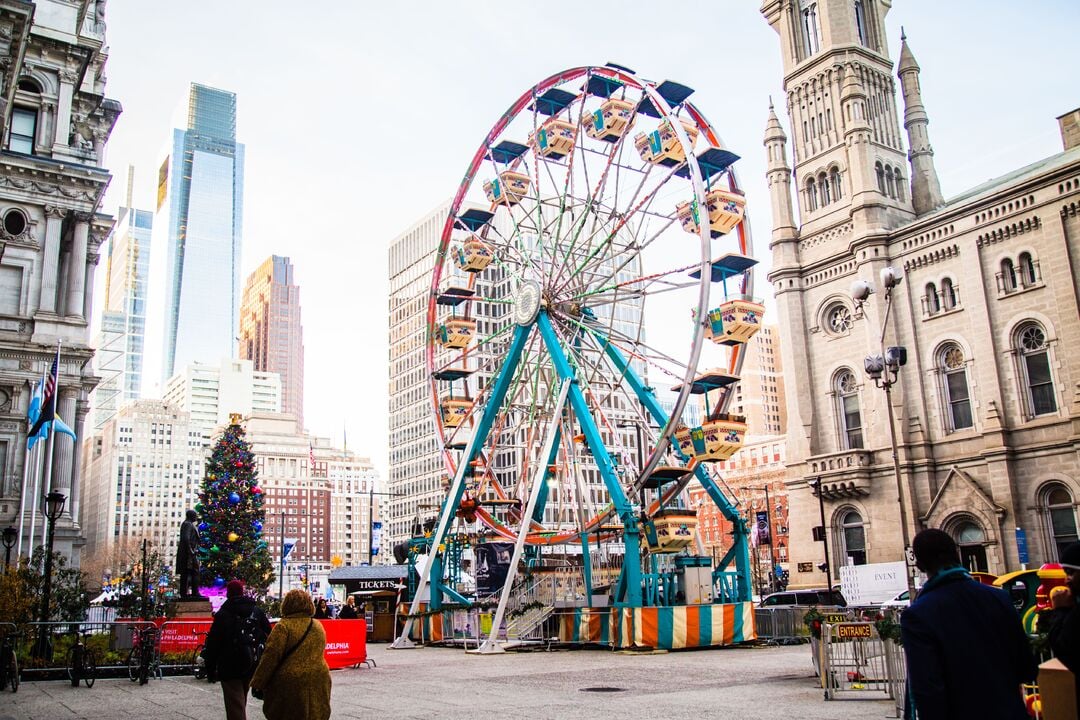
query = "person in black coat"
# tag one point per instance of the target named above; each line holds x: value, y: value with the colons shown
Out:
x: 1063, y: 620
x: 225, y: 655
x: 967, y: 653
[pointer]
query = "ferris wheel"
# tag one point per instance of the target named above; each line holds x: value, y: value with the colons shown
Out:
x: 573, y: 314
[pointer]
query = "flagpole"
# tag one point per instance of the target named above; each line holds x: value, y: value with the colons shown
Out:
x: 52, y: 436
x: 22, y: 498
x: 36, y: 472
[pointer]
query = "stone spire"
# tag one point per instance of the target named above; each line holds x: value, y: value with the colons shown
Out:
x: 778, y: 174
x: 925, y: 187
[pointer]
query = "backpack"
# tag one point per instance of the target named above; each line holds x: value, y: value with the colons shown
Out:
x: 250, y: 640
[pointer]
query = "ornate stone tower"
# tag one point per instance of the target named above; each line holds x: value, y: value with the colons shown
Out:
x: 848, y: 151
x: 925, y: 188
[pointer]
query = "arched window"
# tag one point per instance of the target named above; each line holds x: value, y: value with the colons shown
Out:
x: 899, y: 185
x: 948, y: 294
x: 1035, y: 367
x: 834, y: 180
x: 971, y: 542
x: 811, y: 194
x: 847, y: 394
x: 823, y: 183
x: 1008, y: 275
x: 933, y: 303
x: 889, y: 187
x: 852, y: 537
x: 1027, y: 269
x: 860, y: 23
x: 1057, y: 502
x: 880, y: 177
x: 957, y: 394
x: 811, y: 41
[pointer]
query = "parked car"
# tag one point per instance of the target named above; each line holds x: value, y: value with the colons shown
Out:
x: 804, y: 598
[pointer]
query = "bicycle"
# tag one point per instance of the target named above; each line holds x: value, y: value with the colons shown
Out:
x: 9, y: 662
x: 81, y: 660
x: 198, y: 662
x: 144, y: 660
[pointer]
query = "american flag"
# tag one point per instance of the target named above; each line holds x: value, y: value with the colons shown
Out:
x: 311, y: 457
x: 50, y: 382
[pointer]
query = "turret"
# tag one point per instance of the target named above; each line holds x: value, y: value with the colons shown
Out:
x: 925, y: 188
x: 778, y: 174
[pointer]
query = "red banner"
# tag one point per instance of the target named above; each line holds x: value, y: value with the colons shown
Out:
x: 346, y: 640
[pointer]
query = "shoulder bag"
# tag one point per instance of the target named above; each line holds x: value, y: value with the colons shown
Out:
x: 258, y: 694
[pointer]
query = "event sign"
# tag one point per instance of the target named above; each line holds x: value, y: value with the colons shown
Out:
x: 873, y: 583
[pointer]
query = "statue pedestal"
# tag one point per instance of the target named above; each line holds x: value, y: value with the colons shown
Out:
x: 187, y: 609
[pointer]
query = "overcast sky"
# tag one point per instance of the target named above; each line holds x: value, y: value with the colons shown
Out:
x: 361, y: 117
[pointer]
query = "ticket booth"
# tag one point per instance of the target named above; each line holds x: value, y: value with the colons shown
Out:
x: 375, y: 591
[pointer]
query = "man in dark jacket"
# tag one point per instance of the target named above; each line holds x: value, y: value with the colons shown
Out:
x: 1064, y: 619
x: 967, y: 652
x: 229, y: 656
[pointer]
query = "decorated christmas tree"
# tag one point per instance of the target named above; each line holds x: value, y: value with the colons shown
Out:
x: 231, y: 516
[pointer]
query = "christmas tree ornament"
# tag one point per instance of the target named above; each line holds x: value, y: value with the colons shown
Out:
x: 233, y: 537
x: 219, y: 581
x: 215, y: 549
x: 256, y: 490
x: 203, y: 527
x: 234, y: 498
x: 257, y: 525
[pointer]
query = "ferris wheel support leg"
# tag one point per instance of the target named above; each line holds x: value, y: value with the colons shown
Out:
x: 491, y: 644
x: 457, y: 487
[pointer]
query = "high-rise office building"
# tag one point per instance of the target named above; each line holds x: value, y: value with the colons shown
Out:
x: 197, y: 230
x: 143, y: 470
x: 271, y: 334
x: 119, y: 343
x: 211, y: 393
x: 354, y: 506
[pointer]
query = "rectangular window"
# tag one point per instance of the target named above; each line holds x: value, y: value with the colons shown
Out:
x: 23, y: 130
x: 860, y: 23
x: 1040, y: 384
x: 959, y: 402
x: 852, y: 422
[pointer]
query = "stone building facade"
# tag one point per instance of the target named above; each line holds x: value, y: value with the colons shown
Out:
x: 987, y: 406
x: 55, y: 122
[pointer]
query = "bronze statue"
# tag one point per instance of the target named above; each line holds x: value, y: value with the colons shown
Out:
x: 187, y: 558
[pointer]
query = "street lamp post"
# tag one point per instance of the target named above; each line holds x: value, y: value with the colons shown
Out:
x: 10, y: 535
x: 884, y: 370
x: 816, y: 484
x: 772, y: 548
x: 54, y: 508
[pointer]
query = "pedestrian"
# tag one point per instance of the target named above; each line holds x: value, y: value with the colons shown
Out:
x: 293, y: 678
x: 320, y: 610
x: 348, y: 610
x: 1063, y: 620
x: 967, y: 653
x: 233, y: 645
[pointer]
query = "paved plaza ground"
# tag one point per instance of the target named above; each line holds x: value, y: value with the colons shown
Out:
x: 745, y: 683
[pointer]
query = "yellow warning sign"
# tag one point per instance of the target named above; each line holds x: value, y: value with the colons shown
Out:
x: 847, y: 631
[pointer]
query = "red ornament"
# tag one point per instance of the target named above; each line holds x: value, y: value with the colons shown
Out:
x: 256, y: 491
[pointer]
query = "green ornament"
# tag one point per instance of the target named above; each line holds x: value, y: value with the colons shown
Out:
x: 214, y: 549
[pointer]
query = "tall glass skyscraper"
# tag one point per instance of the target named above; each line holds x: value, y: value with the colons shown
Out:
x: 197, y: 230
x: 121, y: 339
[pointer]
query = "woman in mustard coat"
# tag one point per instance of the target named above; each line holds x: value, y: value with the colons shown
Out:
x: 293, y: 676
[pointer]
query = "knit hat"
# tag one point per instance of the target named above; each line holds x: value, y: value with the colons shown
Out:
x: 1070, y: 557
x: 234, y: 589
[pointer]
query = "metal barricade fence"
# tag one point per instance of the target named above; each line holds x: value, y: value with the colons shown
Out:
x: 855, y: 662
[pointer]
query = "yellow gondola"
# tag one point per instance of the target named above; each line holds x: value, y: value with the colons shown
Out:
x: 555, y: 138
x: 473, y: 255
x: 457, y: 333
x: 726, y: 210
x: 507, y: 189
x: 610, y: 121
x: 735, y: 321
x: 662, y: 146
x: 454, y: 410
x: 716, y: 439
x: 675, y: 530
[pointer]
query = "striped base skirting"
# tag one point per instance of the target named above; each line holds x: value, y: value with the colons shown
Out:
x: 669, y: 628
